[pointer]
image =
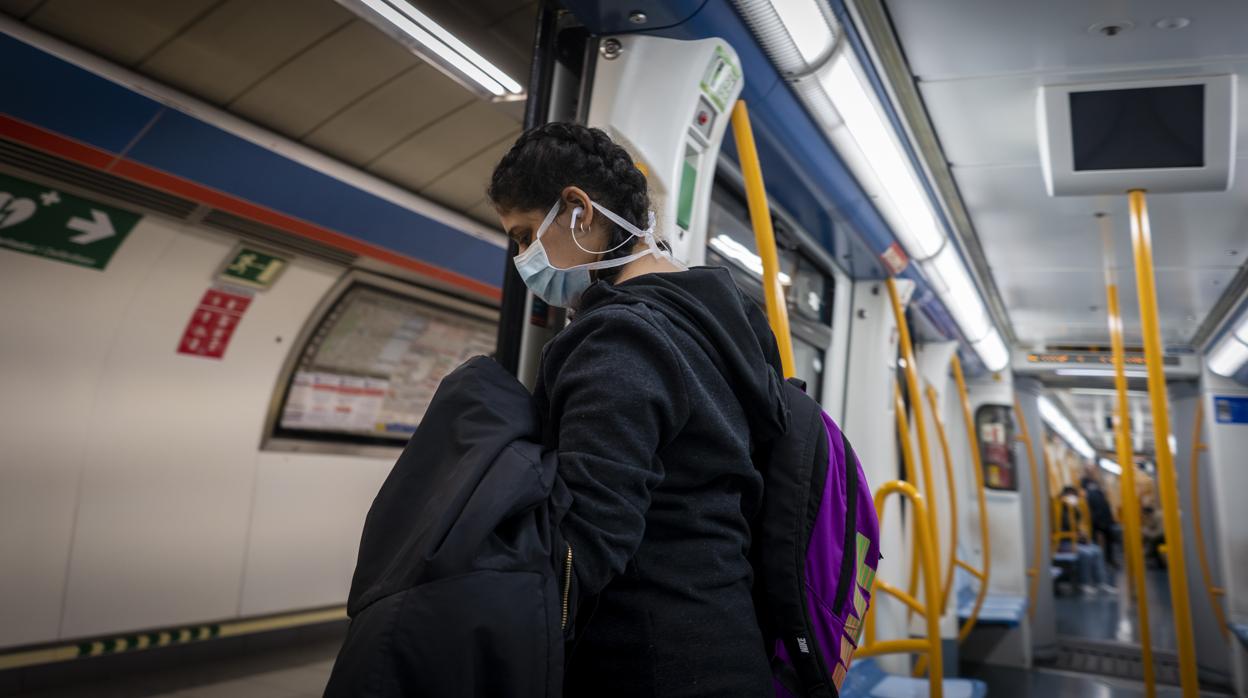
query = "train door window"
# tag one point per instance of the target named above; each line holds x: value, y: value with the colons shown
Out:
x: 995, y: 429
x: 367, y: 369
x: 808, y: 287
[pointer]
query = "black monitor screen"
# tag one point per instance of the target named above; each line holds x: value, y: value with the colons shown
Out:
x: 1142, y: 128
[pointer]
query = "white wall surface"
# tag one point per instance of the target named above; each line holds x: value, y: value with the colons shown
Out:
x: 1228, y: 478
x: 133, y: 493
x: 871, y: 427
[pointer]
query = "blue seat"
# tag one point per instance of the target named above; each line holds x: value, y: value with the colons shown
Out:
x: 867, y: 680
x: 1241, y: 632
x: 998, y: 609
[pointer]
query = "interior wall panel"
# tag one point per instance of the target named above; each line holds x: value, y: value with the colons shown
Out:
x: 59, y: 321
x: 171, y: 447
x: 305, y: 529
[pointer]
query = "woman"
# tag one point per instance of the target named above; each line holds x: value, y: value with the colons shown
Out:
x: 654, y: 398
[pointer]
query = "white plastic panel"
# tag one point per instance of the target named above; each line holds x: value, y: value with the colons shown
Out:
x: 305, y: 529
x: 59, y: 322
x: 870, y: 424
x: 933, y: 366
x: 1228, y: 480
x: 171, y: 448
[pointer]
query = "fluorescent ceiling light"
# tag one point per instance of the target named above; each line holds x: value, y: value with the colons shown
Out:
x: 742, y: 255
x: 1227, y: 357
x: 444, y: 49
x: 992, y: 352
x: 1069, y: 433
x: 1110, y: 392
x: 952, y: 283
x: 1110, y: 466
x: 1241, y: 331
x: 1101, y: 372
x: 871, y: 131
x: 807, y: 26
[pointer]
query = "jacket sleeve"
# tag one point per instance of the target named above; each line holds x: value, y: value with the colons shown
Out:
x: 618, y: 397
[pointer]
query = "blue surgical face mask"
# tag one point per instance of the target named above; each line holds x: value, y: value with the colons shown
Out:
x: 563, y: 287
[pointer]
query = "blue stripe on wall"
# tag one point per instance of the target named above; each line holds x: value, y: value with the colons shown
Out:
x: 58, y: 96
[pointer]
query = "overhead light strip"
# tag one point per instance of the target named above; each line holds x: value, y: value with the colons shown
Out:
x: 839, y: 97
x: 1065, y: 429
x: 447, y: 50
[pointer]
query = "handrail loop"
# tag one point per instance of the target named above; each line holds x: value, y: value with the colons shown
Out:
x: 930, y: 646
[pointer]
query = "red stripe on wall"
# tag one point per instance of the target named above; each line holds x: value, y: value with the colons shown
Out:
x: 91, y: 156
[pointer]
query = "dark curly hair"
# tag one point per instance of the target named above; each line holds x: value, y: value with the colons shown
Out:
x: 547, y: 159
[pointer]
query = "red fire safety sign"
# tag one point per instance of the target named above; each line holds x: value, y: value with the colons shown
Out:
x: 212, y: 324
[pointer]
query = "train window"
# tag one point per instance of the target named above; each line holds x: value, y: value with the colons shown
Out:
x: 368, y: 369
x: 996, y: 436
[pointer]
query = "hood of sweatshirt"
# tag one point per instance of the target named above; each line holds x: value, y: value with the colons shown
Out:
x: 730, y: 327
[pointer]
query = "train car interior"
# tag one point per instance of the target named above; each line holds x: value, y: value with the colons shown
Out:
x: 1003, y: 245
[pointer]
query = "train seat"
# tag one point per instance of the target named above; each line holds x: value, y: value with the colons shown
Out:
x: 867, y: 680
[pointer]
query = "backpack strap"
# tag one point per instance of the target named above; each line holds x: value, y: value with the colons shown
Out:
x: 848, y: 557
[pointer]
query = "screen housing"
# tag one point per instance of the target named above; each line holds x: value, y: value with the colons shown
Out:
x: 1057, y: 151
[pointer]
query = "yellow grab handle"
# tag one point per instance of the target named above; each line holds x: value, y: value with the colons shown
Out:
x: 764, y: 235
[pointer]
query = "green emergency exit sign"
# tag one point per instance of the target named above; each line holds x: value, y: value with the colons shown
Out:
x: 46, y: 222
x: 252, y: 267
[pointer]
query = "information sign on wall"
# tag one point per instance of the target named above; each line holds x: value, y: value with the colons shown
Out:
x: 212, y: 324
x: 49, y: 223
x: 1230, y: 410
x: 372, y: 365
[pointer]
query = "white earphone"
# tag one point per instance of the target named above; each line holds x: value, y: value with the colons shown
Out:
x: 576, y: 213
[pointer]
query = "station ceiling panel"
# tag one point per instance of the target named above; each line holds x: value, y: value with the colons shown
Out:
x: 313, y: 72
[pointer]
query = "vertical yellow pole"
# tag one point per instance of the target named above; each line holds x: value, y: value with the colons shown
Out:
x: 1215, y: 593
x: 953, y: 499
x: 978, y: 465
x: 920, y: 423
x: 1037, y: 506
x: 764, y: 235
x: 1141, y: 243
x: 1131, y: 535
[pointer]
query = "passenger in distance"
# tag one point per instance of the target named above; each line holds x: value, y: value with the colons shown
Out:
x: 653, y: 398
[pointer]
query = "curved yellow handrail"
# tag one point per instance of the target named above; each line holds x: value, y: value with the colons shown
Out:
x: 1037, y: 506
x: 907, y: 460
x: 764, y: 235
x: 1214, y: 592
x: 978, y: 467
x: 916, y: 401
x: 1059, y: 535
x: 953, y: 498
x: 929, y: 646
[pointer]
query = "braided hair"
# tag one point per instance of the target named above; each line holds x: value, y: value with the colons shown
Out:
x: 547, y: 159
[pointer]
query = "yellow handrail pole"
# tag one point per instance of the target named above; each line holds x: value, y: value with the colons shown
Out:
x: 907, y: 459
x: 978, y: 464
x: 916, y: 401
x: 930, y: 646
x: 1037, y: 504
x: 1142, y: 245
x: 953, y: 498
x: 1198, y: 528
x: 764, y: 235
x: 921, y: 665
x: 903, y: 431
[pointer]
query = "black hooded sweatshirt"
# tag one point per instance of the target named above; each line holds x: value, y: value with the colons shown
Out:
x: 655, y: 396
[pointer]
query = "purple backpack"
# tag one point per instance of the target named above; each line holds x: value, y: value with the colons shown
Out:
x: 816, y: 549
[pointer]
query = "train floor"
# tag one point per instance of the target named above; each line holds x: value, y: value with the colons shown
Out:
x: 1112, y: 617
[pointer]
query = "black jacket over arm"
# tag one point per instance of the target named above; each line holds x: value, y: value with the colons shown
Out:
x: 458, y: 589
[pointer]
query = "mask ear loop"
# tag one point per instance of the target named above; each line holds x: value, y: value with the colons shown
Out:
x: 613, y: 249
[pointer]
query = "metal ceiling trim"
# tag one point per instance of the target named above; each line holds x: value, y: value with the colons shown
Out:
x: 899, y: 81
x: 71, y: 175
x: 1222, y: 315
